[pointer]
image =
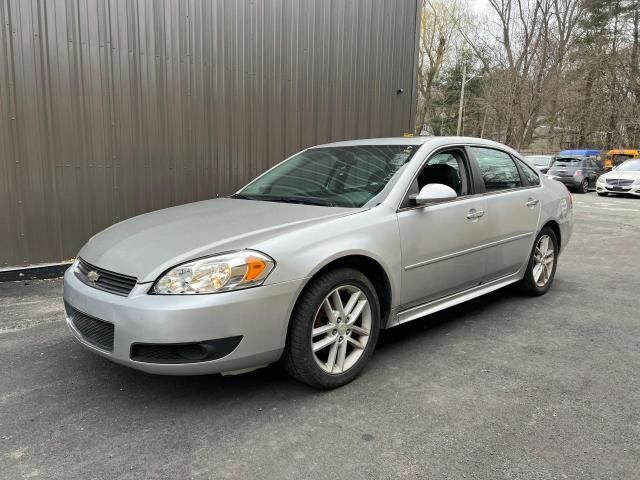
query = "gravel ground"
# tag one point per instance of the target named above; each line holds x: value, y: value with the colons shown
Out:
x: 503, y: 387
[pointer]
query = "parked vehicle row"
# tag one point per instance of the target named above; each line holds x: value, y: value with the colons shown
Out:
x: 580, y: 170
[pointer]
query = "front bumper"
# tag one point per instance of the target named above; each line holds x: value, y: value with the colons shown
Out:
x: 629, y: 189
x: 260, y: 315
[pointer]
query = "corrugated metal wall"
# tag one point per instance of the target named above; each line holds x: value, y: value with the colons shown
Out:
x: 113, y: 108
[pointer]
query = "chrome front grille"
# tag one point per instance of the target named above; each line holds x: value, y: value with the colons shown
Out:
x: 106, y: 280
x: 622, y: 182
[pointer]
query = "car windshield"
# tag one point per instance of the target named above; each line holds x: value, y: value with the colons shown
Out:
x: 629, y: 166
x: 540, y: 161
x: 348, y: 176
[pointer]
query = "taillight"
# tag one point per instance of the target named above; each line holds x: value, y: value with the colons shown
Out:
x: 570, y: 196
x: 578, y: 173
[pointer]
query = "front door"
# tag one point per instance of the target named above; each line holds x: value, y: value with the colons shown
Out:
x: 440, y: 241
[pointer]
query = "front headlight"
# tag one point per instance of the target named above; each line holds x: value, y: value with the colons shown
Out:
x: 636, y: 182
x: 219, y: 273
x: 600, y: 180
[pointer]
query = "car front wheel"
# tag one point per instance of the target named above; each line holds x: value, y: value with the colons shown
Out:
x: 333, y: 329
x: 542, y: 264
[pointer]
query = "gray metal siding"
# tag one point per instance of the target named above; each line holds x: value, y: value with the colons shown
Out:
x: 109, y: 109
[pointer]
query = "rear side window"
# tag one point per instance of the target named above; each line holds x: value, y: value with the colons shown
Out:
x: 499, y: 172
x: 567, y: 162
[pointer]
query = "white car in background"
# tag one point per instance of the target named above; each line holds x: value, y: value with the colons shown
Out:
x: 625, y: 178
x: 541, y: 162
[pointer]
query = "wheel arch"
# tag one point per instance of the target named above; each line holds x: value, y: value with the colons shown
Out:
x: 370, y: 267
x: 555, y: 226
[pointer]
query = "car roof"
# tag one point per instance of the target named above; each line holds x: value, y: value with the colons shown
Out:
x: 580, y: 153
x: 622, y: 151
x: 436, y: 141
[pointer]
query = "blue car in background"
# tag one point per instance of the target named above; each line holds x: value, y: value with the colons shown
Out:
x: 579, y: 153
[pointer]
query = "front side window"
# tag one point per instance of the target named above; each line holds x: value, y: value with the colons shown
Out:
x: 498, y: 170
x: 348, y: 176
x: 445, y: 167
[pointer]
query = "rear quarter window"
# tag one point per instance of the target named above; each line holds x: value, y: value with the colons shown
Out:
x: 530, y: 175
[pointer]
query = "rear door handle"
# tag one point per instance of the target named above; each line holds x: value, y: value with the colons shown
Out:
x: 532, y: 202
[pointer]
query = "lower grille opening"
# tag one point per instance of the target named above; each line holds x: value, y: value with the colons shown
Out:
x: 96, y: 332
x: 184, y: 352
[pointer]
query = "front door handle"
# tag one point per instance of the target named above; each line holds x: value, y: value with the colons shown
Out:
x: 532, y: 202
x: 474, y: 214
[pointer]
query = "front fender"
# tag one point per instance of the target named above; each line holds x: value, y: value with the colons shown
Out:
x: 374, y: 233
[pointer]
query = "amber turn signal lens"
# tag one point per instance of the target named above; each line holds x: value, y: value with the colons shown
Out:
x: 255, y: 267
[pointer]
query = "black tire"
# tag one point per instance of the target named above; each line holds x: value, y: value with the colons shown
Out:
x: 584, y: 186
x: 298, y: 359
x: 528, y: 285
x: 603, y: 194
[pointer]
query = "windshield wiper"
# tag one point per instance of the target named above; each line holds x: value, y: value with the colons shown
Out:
x: 303, y: 201
x: 272, y: 198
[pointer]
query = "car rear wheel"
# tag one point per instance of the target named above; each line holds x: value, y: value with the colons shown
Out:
x: 542, y: 264
x: 333, y: 329
x: 584, y: 186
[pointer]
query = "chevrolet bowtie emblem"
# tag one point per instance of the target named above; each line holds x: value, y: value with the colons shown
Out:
x: 93, y: 276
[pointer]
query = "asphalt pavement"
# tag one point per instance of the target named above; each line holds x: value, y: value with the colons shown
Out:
x: 504, y: 387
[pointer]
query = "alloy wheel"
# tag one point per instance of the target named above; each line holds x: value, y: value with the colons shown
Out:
x: 543, y: 257
x: 341, y: 329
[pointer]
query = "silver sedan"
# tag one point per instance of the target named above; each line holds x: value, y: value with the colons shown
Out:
x: 308, y: 262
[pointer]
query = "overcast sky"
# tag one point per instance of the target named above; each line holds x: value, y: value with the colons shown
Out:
x: 479, y: 6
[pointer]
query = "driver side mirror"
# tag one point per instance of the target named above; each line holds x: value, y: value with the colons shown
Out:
x: 434, y: 192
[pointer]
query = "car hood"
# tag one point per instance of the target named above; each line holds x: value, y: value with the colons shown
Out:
x: 147, y: 245
x: 622, y: 175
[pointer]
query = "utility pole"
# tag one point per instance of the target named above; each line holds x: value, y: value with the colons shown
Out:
x: 484, y: 120
x: 464, y: 82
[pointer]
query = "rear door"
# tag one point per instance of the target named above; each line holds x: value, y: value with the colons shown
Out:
x: 512, y: 190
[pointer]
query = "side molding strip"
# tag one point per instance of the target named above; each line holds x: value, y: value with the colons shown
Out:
x: 469, y: 250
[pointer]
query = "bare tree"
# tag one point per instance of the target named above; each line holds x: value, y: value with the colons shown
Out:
x: 554, y: 73
x: 440, y: 21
